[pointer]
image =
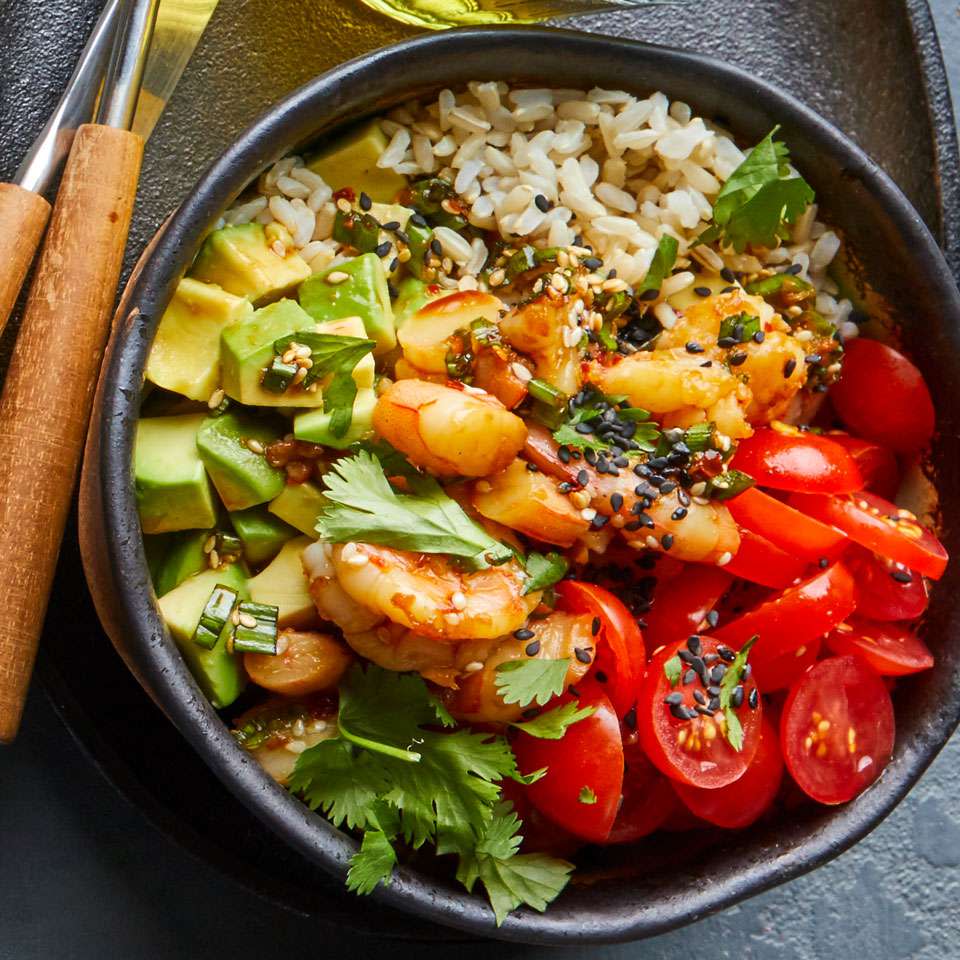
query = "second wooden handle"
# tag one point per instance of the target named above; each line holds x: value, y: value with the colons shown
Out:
x: 23, y: 215
x: 46, y: 398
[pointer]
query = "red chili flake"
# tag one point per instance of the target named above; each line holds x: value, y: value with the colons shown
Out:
x: 345, y: 193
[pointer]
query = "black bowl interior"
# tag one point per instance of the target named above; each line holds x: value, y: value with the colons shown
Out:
x: 623, y: 894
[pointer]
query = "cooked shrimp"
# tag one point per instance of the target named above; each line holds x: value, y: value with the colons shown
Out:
x: 699, y: 319
x: 776, y: 371
x: 559, y: 635
x: 449, y: 432
x: 429, y: 594
x: 333, y: 603
x: 305, y: 662
x: 537, y: 329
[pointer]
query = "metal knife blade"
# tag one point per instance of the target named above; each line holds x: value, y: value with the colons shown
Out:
x: 180, y: 24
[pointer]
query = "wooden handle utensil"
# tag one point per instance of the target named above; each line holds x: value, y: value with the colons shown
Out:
x: 23, y: 215
x: 46, y: 398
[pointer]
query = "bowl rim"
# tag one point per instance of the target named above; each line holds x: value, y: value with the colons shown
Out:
x: 112, y: 547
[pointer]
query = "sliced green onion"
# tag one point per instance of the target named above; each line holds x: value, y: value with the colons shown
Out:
x: 699, y: 437
x: 427, y: 196
x: 546, y: 393
x: 261, y: 637
x: 278, y: 376
x: 793, y: 288
x: 213, y: 618
x: 229, y: 543
x: 529, y: 258
x: 358, y: 230
x: 740, y: 327
x: 730, y: 484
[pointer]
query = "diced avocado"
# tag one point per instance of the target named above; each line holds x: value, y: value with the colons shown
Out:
x: 351, y: 161
x: 246, y: 350
x: 242, y: 478
x: 412, y: 294
x: 300, y: 505
x: 362, y: 294
x: 420, y: 238
x: 284, y: 584
x: 364, y: 371
x: 185, y: 356
x: 219, y: 673
x: 315, y: 424
x: 261, y: 533
x: 241, y: 260
x: 184, y: 558
x: 156, y: 548
x: 173, y: 492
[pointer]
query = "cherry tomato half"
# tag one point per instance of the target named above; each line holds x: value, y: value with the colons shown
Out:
x: 792, y: 619
x: 786, y: 528
x: 759, y: 561
x: 648, y: 799
x: 880, y: 526
x: 680, y: 604
x: 782, y: 671
x: 798, y: 461
x: 882, y: 396
x: 540, y: 835
x: 887, y: 590
x: 878, y: 466
x: 618, y: 633
x: 837, y: 729
x: 892, y: 649
x: 584, y: 780
x: 687, y: 744
x: 744, y: 801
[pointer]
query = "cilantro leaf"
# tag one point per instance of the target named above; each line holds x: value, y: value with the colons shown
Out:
x: 363, y: 506
x: 553, y: 724
x: 531, y: 681
x: 372, y: 864
x: 673, y: 670
x: 660, y: 266
x: 759, y: 197
x: 567, y: 436
x: 592, y: 408
x: 728, y: 684
x: 587, y: 796
x: 544, y: 570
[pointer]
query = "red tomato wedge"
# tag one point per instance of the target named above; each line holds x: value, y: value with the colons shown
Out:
x: 887, y: 590
x: 744, y: 801
x: 892, y: 649
x: 680, y: 604
x: 882, y: 396
x: 878, y: 465
x: 690, y: 745
x: 880, y: 526
x: 793, y: 619
x: 584, y: 780
x: 785, y: 527
x: 780, y: 672
x: 759, y: 561
x: 621, y: 653
x: 837, y: 729
x: 540, y: 835
x: 797, y: 461
x: 648, y: 799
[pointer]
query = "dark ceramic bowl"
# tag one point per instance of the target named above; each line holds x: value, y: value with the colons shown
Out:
x: 619, y: 894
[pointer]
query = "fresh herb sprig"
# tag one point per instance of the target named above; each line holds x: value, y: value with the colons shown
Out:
x: 731, y: 679
x: 605, y: 422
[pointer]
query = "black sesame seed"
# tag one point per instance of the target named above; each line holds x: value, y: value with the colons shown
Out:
x: 394, y: 263
x: 689, y: 676
x: 622, y: 462
x: 392, y: 291
x: 632, y: 526
x: 532, y: 648
x: 418, y: 219
x: 601, y: 676
x: 736, y: 698
x: 694, y: 645
x: 583, y: 428
x: 590, y: 456
x: 679, y: 513
x: 599, y: 521
x: 902, y: 576
x: 736, y: 359
x: 686, y: 656
x: 523, y: 634
x: 747, y: 670
x: 365, y: 202
x: 794, y: 269
x: 759, y: 337
x: 616, y: 502
x: 683, y: 498
x: 436, y: 248
x: 530, y: 713
x: 707, y: 363
x: 672, y: 698
x: 709, y: 658
x: 591, y: 263
x: 543, y: 204
x: 713, y: 690
x: 699, y: 697
x: 630, y: 719
x: 702, y: 291
x: 679, y: 711
x: 666, y: 541
x: 384, y: 248
x: 714, y: 704
x: 823, y: 563
x: 754, y: 698
x: 532, y: 467
x: 668, y: 487
x: 564, y: 454
x: 728, y: 289
x: 694, y: 347
x: 402, y: 237
x: 595, y: 626
x: 725, y: 652
x: 649, y: 294
x: 392, y: 225
x: 716, y: 674
x: 789, y: 367
x: 582, y: 655
x: 728, y: 275
x: 727, y: 342
x: 573, y: 691
x: 583, y: 477
x: 813, y: 358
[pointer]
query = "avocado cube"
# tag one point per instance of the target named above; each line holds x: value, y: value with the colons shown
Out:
x: 299, y: 505
x: 172, y: 489
x: 283, y: 584
x: 412, y: 294
x: 219, y: 673
x: 364, y: 294
x: 244, y: 263
x: 261, y: 533
x: 155, y: 549
x: 351, y: 161
x: 314, y: 425
x: 185, y: 356
x: 246, y: 350
x: 242, y: 478
x: 365, y: 371
x: 184, y: 558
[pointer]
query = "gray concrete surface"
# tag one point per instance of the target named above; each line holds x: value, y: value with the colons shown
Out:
x: 82, y: 875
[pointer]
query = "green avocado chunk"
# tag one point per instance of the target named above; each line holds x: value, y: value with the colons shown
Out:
x: 283, y: 584
x: 242, y: 478
x: 172, y: 489
x: 314, y: 425
x: 351, y: 161
x: 299, y: 505
x: 420, y: 238
x: 219, y: 673
x: 185, y: 356
x: 363, y: 293
x: 261, y: 533
x: 246, y: 350
x: 241, y: 261
x: 412, y: 294
x: 184, y: 558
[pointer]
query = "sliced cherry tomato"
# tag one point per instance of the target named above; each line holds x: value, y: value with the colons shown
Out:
x: 880, y: 526
x: 540, y: 835
x: 780, y: 672
x: 584, y: 780
x: 680, y: 604
x: 878, y: 465
x: 744, y: 801
x: 648, y: 799
x: 837, y: 729
x: 887, y: 590
x: 892, y: 649
x: 759, y: 561
x: 618, y: 634
x: 797, y: 460
x: 690, y: 745
x: 785, y: 527
x: 882, y: 396
x: 792, y: 619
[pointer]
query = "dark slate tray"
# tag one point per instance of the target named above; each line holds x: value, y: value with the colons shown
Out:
x: 873, y: 67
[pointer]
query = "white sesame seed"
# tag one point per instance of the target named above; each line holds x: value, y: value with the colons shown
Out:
x: 283, y: 641
x: 588, y: 513
x: 459, y: 600
x: 254, y: 445
x: 580, y: 499
x: 521, y: 372
x: 338, y: 276
x: 216, y: 398
x: 247, y: 621
x: 295, y: 746
x: 299, y: 727
x: 209, y: 543
x: 318, y: 726
x: 698, y: 489
x: 724, y: 558
x: 473, y: 666
x: 652, y: 542
x: 213, y: 559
